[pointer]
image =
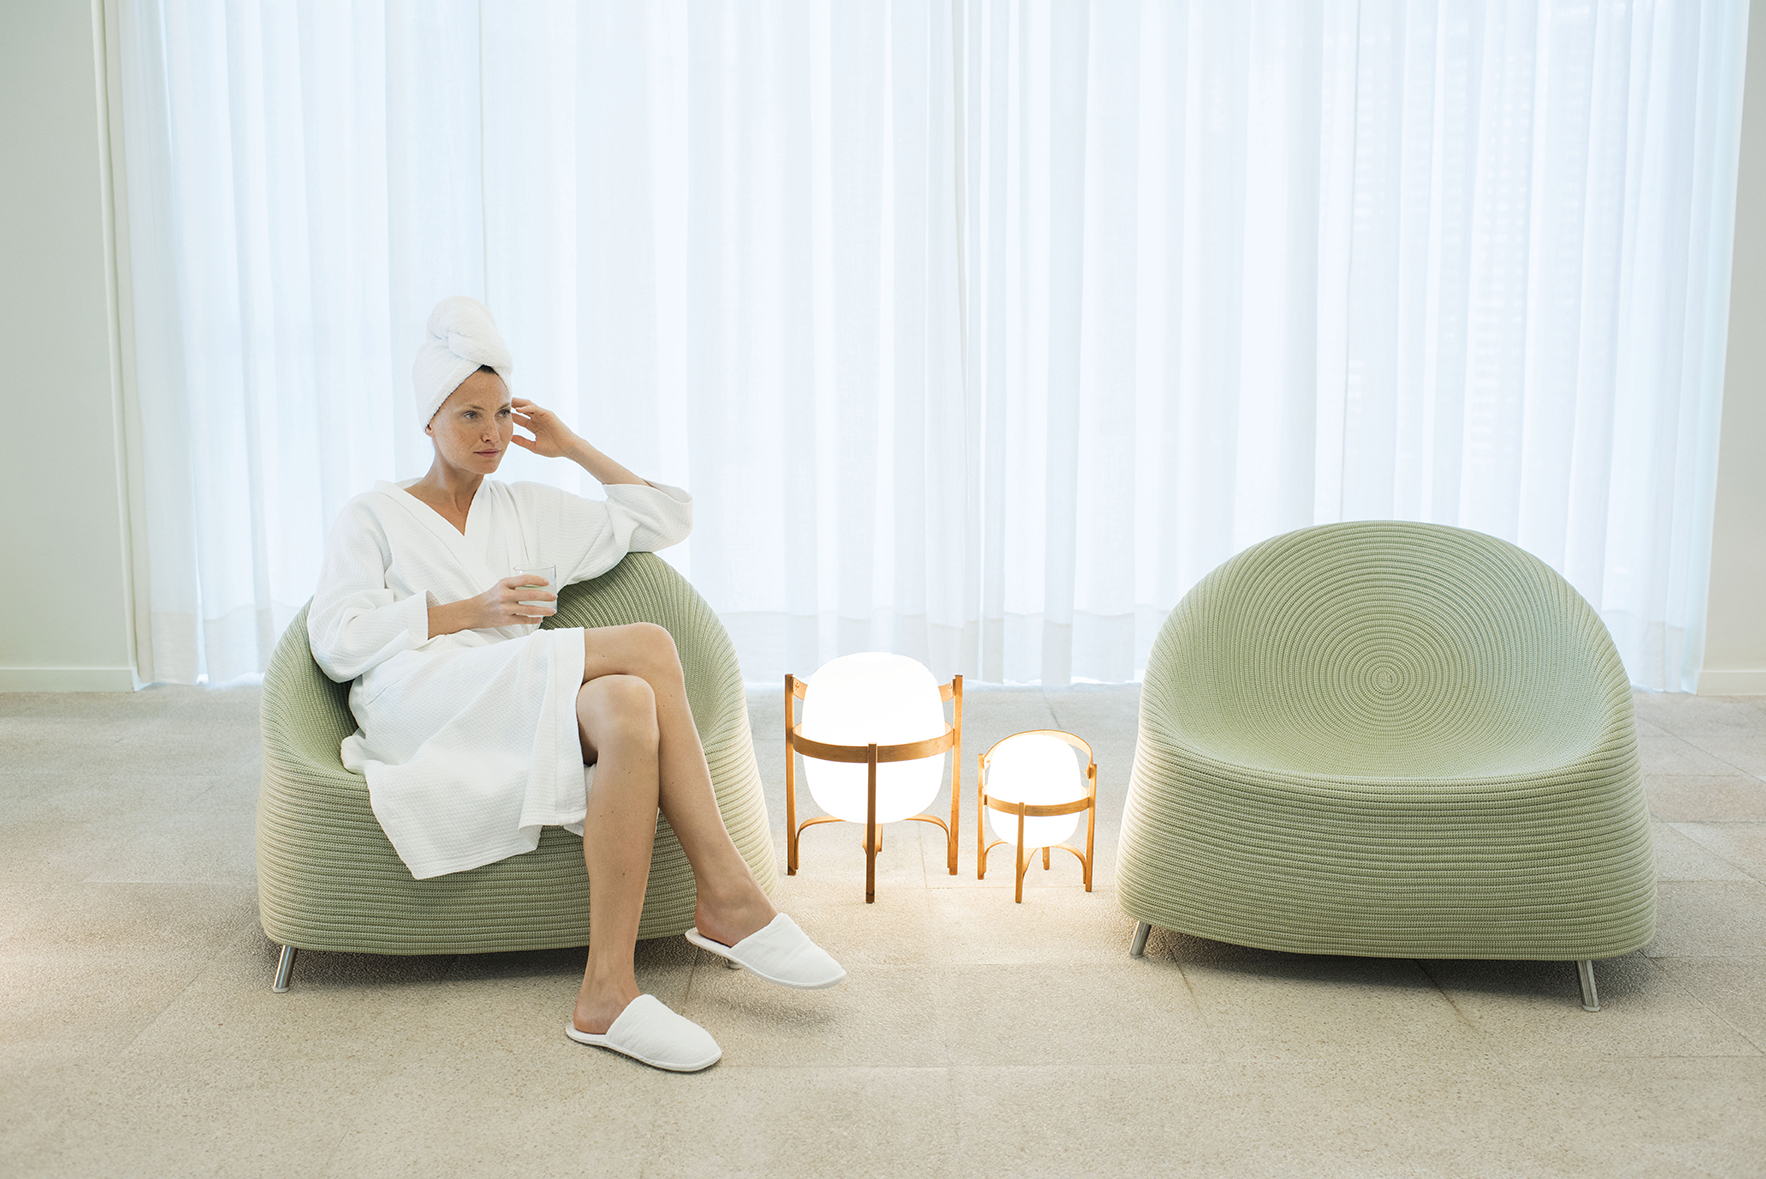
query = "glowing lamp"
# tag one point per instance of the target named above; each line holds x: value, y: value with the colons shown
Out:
x: 860, y: 699
x: 873, y: 739
x: 1032, y: 785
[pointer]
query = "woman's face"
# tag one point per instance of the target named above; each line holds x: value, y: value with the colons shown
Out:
x: 473, y: 427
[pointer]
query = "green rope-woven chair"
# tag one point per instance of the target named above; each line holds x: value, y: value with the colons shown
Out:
x: 1391, y: 740
x: 328, y: 879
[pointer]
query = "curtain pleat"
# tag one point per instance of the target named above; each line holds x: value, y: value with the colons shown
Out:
x: 980, y: 329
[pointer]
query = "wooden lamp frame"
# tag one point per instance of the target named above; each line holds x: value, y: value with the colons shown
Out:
x: 985, y: 802
x: 872, y: 755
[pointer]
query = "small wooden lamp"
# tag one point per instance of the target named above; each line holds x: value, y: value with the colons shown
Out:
x: 1033, y: 787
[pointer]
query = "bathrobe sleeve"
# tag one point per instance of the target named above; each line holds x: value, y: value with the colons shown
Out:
x: 592, y: 535
x: 356, y: 622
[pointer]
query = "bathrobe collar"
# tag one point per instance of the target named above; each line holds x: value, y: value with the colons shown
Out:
x: 470, y: 556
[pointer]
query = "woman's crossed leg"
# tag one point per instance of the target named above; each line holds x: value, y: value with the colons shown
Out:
x: 637, y: 729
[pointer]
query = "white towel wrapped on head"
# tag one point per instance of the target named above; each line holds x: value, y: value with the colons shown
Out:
x: 462, y: 337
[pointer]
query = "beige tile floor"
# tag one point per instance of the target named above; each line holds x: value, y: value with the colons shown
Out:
x: 139, y: 1035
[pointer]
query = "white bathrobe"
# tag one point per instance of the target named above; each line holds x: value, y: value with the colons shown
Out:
x: 469, y: 740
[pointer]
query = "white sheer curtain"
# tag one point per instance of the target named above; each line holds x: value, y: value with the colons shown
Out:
x: 1234, y: 269
x: 980, y: 330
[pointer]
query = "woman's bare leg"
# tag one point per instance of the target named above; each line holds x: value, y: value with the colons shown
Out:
x: 616, y: 719
x: 730, y: 904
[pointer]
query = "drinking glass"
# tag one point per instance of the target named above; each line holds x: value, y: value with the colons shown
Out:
x: 549, y: 572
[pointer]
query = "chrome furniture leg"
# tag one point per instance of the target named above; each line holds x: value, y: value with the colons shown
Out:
x: 284, y: 964
x: 1140, y: 940
x: 1585, y: 972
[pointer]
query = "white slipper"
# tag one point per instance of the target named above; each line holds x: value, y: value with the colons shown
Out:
x: 780, y: 953
x: 649, y: 1032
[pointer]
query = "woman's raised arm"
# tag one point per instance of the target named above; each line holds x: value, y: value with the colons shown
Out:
x: 553, y: 439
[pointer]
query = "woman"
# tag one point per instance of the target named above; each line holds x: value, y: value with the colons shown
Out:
x: 477, y: 729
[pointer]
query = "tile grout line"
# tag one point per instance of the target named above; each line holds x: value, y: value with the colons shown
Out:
x: 1758, y: 1047
x: 1742, y: 868
x: 1442, y: 991
x: 189, y: 982
x: 1196, y: 1002
x: 1693, y: 744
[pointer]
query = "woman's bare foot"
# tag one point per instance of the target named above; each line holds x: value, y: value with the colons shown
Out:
x: 730, y: 919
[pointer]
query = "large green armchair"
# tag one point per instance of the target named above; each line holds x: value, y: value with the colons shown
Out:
x: 1393, y: 740
x: 328, y: 879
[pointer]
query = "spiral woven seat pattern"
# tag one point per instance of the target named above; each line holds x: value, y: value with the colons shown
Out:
x: 1394, y: 740
x: 328, y: 879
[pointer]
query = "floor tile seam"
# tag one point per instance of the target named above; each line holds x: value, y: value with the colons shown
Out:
x: 1054, y: 715
x: 1656, y: 778
x: 1727, y: 738
x: 952, y: 1126
x: 1759, y: 1049
x: 444, y: 978
x: 116, y: 823
x: 87, y: 882
x: 196, y: 972
x: 1757, y: 1042
x: 1746, y: 870
x: 699, y: 956
x: 225, y: 784
x: 323, y: 1170
x: 1271, y: 1063
x: 233, y: 881
x: 938, y: 971
x: 1458, y: 1011
x: 798, y: 1066
x: 1208, y: 1026
x: 1726, y: 760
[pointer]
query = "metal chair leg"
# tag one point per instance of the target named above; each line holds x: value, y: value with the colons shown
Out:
x: 1140, y: 940
x: 1585, y: 972
x: 284, y: 964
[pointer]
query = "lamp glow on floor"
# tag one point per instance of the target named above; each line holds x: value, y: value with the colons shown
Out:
x: 873, y: 739
x: 1031, y: 782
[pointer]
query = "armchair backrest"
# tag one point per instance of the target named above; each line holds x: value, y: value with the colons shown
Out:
x: 1372, y: 647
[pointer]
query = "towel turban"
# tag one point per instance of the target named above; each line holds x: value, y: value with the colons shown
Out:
x: 461, y: 337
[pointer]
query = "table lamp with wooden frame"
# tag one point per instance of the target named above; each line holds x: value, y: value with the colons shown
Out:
x: 1028, y: 812
x: 872, y: 755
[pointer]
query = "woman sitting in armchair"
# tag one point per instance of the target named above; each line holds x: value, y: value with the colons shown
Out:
x: 476, y: 728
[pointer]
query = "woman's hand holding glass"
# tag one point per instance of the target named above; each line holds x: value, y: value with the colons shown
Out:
x: 516, y: 600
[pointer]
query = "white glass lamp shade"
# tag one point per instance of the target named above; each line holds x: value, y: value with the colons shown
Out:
x: 858, y: 699
x: 1040, y: 770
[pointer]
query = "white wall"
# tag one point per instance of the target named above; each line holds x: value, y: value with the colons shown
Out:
x: 1735, y: 624
x: 64, y: 598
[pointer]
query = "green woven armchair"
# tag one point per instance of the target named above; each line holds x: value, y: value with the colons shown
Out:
x: 328, y: 879
x: 1391, y: 740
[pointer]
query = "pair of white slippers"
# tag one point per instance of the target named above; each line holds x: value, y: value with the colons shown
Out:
x: 648, y: 1031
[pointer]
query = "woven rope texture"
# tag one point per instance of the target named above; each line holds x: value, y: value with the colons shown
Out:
x: 1394, y: 740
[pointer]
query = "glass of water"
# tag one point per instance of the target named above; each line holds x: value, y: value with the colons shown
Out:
x: 550, y: 573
